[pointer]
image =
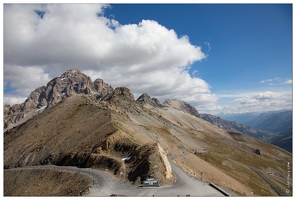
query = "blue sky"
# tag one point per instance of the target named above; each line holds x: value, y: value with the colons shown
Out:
x: 248, y: 42
x: 223, y: 58
x: 248, y: 46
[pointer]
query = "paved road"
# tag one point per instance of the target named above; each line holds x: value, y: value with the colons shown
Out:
x: 106, y: 185
x: 270, y: 182
x: 183, y: 185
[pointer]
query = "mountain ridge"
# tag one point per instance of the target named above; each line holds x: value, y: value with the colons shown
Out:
x: 266, y: 121
x: 277, y: 123
x: 233, y: 126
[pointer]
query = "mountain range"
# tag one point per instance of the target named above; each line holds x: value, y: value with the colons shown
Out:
x: 73, y: 121
x: 233, y: 126
x: 240, y: 118
x: 276, y: 126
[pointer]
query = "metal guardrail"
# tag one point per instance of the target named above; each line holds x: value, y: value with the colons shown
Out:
x: 219, y: 189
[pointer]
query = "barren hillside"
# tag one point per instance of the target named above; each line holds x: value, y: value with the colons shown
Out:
x: 44, y: 182
x: 84, y: 131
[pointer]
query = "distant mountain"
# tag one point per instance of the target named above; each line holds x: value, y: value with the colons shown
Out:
x: 274, y: 127
x: 284, y: 141
x: 240, y: 118
x: 232, y: 126
x: 276, y: 122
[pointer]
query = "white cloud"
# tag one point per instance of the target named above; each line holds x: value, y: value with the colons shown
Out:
x: 73, y: 36
x: 24, y: 79
x: 276, y: 81
x: 266, y: 95
x: 261, y: 96
x: 251, y: 101
x: 288, y: 82
x: 145, y: 57
x: 269, y: 80
x: 13, y: 100
x: 262, y: 101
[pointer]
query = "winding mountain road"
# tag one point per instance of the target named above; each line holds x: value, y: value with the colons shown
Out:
x: 106, y: 185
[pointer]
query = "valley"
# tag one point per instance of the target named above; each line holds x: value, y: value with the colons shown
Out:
x: 274, y: 127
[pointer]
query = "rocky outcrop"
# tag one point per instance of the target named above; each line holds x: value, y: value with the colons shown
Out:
x: 181, y: 105
x: 69, y: 83
x: 123, y: 99
x: 146, y: 99
x: 119, y: 93
x: 148, y: 161
x: 102, y: 87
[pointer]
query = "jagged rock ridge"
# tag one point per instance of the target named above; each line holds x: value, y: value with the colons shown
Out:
x: 145, y: 98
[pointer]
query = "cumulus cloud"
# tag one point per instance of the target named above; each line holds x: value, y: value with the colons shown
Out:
x: 23, y: 79
x: 261, y: 101
x: 145, y: 57
x: 248, y: 101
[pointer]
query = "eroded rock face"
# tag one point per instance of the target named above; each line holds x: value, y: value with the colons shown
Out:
x: 145, y: 98
x: 69, y: 83
x: 120, y: 92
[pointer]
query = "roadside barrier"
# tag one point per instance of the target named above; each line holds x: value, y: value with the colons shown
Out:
x: 219, y: 189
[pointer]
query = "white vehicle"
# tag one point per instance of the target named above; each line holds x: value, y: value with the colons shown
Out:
x: 150, y: 182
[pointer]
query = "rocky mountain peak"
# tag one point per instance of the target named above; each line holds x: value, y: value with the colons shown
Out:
x: 71, y: 72
x: 123, y: 99
x: 124, y: 92
x: 69, y: 83
x: 181, y: 105
x: 145, y: 98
